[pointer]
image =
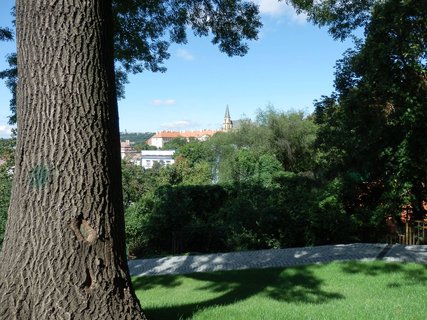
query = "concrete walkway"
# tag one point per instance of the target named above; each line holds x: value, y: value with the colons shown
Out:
x: 277, y: 258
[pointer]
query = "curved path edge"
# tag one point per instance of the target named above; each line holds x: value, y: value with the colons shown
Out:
x: 272, y: 258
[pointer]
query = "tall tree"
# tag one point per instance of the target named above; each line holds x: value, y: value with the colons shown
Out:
x: 64, y: 251
x: 375, y: 125
x: 291, y: 137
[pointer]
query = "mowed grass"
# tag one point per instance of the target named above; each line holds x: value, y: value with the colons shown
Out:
x: 340, y: 290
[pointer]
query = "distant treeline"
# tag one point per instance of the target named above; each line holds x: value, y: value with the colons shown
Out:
x: 136, y: 137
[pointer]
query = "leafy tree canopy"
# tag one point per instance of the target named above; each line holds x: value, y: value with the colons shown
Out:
x: 195, y: 151
x: 175, y: 144
x: 291, y: 136
x: 375, y: 123
x: 342, y: 17
x: 5, y: 34
x: 11, y: 76
x: 145, y: 29
x: 6, y: 162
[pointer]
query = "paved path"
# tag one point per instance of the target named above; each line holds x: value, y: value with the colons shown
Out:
x: 277, y: 258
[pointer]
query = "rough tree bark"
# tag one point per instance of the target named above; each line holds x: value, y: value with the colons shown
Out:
x: 63, y: 255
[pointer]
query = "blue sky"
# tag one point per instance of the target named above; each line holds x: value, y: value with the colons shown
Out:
x: 289, y: 66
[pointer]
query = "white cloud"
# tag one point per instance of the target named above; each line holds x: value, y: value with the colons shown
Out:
x: 271, y: 7
x: 165, y: 102
x: 298, y: 18
x: 184, y: 54
x: 179, y: 124
x: 5, y: 131
x: 278, y: 9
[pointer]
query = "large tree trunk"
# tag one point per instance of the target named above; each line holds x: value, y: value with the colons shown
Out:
x: 64, y: 252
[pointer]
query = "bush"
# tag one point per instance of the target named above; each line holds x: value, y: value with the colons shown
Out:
x: 5, y: 189
x: 293, y: 211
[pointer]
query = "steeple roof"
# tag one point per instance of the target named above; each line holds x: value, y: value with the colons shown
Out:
x: 227, y: 113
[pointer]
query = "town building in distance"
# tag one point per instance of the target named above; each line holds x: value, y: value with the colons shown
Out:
x: 147, y: 158
x: 228, y: 123
x: 162, y: 137
x: 150, y: 157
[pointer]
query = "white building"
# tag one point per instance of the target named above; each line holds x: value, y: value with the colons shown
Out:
x: 149, y: 157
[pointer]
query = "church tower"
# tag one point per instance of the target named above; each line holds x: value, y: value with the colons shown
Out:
x: 228, y: 124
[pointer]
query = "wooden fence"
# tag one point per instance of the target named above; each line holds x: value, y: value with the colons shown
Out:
x: 415, y: 232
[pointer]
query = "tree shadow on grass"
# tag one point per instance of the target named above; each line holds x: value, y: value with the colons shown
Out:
x: 290, y: 285
x: 147, y: 283
x: 412, y: 274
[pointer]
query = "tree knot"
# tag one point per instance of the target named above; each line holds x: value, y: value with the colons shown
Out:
x: 82, y: 229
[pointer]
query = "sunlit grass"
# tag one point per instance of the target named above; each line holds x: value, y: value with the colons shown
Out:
x: 346, y: 290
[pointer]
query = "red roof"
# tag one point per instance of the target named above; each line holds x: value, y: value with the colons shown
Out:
x: 184, y: 134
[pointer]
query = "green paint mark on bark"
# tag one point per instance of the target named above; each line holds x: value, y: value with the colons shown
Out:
x: 39, y: 176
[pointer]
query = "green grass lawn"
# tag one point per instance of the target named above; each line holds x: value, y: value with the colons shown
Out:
x: 346, y: 290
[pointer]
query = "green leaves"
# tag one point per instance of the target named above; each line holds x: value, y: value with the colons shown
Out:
x: 6, y: 155
x: 342, y: 17
x: 5, y: 34
x: 11, y: 77
x: 376, y: 120
x: 5, y: 189
x: 145, y: 29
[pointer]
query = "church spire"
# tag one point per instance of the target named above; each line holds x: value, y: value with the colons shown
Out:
x: 227, y: 113
x: 228, y: 123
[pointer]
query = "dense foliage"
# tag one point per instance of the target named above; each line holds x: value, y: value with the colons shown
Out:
x: 5, y: 188
x: 251, y: 188
x: 371, y: 131
x: 6, y: 171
